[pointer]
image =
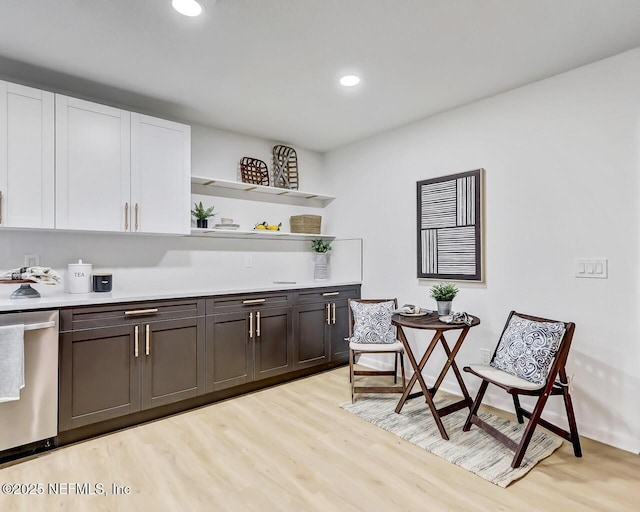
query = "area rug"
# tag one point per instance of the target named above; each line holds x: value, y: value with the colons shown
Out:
x: 474, y: 451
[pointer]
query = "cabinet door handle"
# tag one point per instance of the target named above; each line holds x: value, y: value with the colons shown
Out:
x: 138, y: 312
x: 136, y: 216
x: 328, y: 314
x: 254, y: 301
x: 137, y: 341
x: 0, y: 206
x: 333, y: 307
x: 251, y: 325
x: 258, y: 324
x: 147, y: 340
x: 330, y: 294
x: 126, y: 216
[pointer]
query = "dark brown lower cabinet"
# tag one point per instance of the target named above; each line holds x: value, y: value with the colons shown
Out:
x: 115, y: 371
x: 247, y: 346
x: 320, y: 330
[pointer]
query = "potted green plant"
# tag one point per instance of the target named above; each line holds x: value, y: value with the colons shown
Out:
x: 444, y: 293
x: 202, y: 214
x: 320, y: 250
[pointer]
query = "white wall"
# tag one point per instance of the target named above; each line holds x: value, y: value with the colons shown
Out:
x: 562, y: 164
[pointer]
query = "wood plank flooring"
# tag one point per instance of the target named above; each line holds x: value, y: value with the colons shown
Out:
x: 292, y: 448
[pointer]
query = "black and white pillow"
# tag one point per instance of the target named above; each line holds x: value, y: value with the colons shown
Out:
x: 372, y: 322
x: 527, y: 348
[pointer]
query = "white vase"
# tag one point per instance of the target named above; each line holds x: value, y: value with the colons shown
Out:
x: 321, y: 266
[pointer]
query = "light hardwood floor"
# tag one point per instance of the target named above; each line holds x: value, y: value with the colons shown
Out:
x: 293, y: 448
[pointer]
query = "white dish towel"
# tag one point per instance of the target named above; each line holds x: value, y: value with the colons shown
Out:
x: 11, y: 362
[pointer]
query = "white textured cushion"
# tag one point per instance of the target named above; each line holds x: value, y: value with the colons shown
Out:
x: 503, y: 377
x: 377, y: 347
x: 527, y: 348
x: 372, y: 322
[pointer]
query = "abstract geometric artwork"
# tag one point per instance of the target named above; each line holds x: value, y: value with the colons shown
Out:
x: 450, y: 227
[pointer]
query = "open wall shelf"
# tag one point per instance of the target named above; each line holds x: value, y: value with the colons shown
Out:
x: 256, y: 234
x: 214, y: 186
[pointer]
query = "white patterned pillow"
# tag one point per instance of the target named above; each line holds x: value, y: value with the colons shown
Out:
x: 527, y: 348
x: 372, y: 322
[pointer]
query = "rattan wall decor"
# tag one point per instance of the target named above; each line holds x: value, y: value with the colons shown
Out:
x: 285, y: 167
x: 254, y: 171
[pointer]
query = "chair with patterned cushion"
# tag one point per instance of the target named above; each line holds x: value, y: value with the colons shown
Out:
x: 371, y: 332
x: 529, y: 360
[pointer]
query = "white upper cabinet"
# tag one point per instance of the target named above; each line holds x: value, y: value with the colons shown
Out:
x: 160, y: 175
x: 93, y: 166
x: 26, y: 157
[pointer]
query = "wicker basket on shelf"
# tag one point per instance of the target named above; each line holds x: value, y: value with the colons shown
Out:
x: 306, y: 224
x: 254, y: 171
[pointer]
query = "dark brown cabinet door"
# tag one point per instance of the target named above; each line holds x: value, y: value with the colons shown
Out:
x: 99, y: 375
x: 272, y: 338
x: 173, y: 355
x: 339, y: 331
x: 229, y: 361
x: 311, y: 335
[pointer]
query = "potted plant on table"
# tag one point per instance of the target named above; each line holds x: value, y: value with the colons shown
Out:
x: 444, y: 293
x: 321, y: 250
x: 202, y: 214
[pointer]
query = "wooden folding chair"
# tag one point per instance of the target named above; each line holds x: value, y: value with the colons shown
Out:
x: 356, y: 349
x: 510, y: 351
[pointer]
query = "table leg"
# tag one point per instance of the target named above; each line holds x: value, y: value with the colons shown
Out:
x: 417, y: 375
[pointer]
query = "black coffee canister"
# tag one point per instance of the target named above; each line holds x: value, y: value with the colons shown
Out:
x: 102, y: 282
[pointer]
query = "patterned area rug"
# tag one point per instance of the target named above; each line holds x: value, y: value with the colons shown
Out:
x: 474, y: 451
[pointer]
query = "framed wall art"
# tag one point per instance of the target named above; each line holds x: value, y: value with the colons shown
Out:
x: 450, y: 227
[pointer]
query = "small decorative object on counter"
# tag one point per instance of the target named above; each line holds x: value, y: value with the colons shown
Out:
x: 306, y: 224
x: 285, y: 167
x: 254, y: 171
x: 321, y: 259
x: 102, y: 282
x: 444, y: 293
x: 26, y: 275
x: 202, y: 214
x: 79, y: 277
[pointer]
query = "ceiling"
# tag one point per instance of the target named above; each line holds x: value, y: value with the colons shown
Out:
x: 270, y: 68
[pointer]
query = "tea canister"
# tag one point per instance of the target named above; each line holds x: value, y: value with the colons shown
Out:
x: 79, y: 277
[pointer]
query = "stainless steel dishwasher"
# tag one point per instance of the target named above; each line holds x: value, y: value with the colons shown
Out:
x: 33, y: 418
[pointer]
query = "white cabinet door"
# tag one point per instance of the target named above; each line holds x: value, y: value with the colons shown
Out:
x: 93, y: 164
x: 26, y: 157
x: 160, y: 175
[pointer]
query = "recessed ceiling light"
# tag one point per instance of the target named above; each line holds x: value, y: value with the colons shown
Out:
x: 187, y: 7
x: 349, y: 80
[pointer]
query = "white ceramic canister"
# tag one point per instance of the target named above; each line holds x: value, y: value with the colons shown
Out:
x: 79, y: 276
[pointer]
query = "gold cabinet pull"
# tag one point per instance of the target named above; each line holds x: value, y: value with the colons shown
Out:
x: 333, y: 307
x: 141, y: 312
x: 251, y: 325
x: 328, y: 314
x: 147, y: 340
x: 136, y: 340
x: 258, y: 324
x: 126, y: 216
x: 254, y: 301
x: 136, y: 216
x: 330, y: 294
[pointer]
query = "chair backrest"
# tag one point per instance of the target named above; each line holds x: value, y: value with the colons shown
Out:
x: 366, y: 301
x: 555, y: 363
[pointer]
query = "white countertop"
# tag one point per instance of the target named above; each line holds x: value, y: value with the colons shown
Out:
x: 61, y: 299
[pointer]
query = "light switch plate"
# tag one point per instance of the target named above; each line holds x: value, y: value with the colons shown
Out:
x: 594, y: 268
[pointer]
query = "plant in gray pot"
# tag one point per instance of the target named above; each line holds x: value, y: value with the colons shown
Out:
x: 444, y: 294
x: 202, y: 214
x: 320, y: 250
